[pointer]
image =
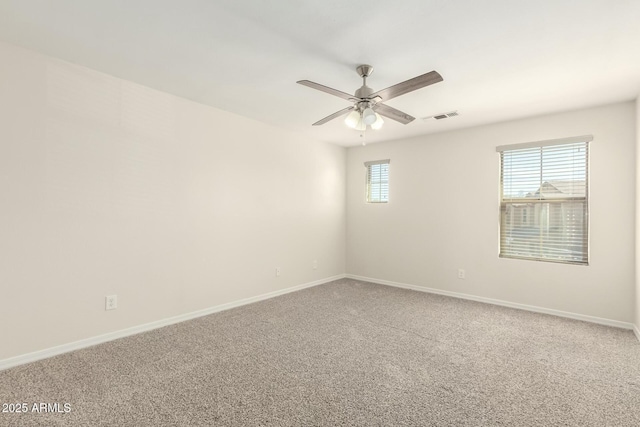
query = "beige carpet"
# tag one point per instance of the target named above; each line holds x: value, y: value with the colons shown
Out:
x: 346, y: 353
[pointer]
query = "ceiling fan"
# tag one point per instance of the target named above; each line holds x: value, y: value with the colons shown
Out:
x: 368, y: 105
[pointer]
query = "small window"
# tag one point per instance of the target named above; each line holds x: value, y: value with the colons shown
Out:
x: 377, y: 181
x: 544, y: 200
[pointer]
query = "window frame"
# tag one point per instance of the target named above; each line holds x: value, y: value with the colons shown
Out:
x: 368, y: 197
x: 585, y: 201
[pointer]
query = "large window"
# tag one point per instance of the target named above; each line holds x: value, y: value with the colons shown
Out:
x: 544, y: 200
x: 377, y: 181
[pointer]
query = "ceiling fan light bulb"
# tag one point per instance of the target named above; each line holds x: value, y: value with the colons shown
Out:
x: 368, y: 116
x: 378, y: 123
x: 352, y: 119
x: 361, y: 125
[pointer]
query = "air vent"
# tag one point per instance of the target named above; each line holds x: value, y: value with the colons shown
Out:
x: 442, y: 116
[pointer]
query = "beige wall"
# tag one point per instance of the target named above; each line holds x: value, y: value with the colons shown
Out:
x: 108, y: 187
x: 443, y: 215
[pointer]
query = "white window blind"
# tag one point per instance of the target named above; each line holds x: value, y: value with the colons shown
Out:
x: 377, y: 181
x: 544, y: 206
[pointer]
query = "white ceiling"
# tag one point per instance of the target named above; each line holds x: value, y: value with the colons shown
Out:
x: 500, y: 59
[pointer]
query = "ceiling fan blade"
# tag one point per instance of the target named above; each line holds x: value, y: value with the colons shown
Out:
x: 408, y: 86
x: 393, y: 114
x: 333, y: 116
x: 328, y: 90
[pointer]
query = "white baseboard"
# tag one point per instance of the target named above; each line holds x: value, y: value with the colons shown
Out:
x: 576, y: 316
x: 88, y: 342
x: 636, y: 330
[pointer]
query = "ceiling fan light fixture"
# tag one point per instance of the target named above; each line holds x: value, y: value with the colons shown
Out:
x: 361, y: 125
x: 352, y: 119
x: 378, y: 123
x: 369, y: 116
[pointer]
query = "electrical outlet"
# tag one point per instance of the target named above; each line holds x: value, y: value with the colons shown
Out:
x: 111, y: 302
x: 315, y: 264
x: 277, y: 271
x: 461, y: 273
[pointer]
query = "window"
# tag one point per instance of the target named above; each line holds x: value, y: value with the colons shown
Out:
x: 544, y: 206
x: 377, y: 181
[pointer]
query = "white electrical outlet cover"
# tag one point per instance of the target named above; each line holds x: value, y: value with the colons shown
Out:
x: 111, y: 302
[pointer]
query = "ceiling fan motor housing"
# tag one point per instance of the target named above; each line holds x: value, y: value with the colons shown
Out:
x: 364, y: 92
